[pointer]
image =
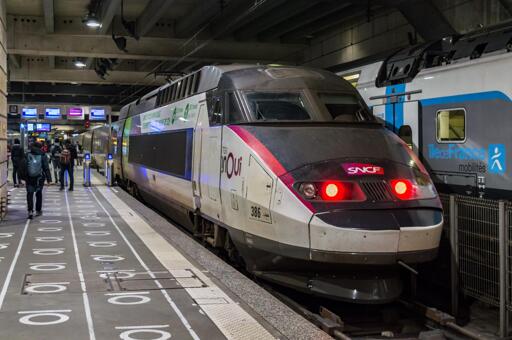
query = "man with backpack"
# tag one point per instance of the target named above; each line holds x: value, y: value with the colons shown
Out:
x: 67, y: 160
x: 16, y: 157
x: 54, y: 157
x: 34, y: 170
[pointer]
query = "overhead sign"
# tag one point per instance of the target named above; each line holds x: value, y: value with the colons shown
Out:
x: 29, y: 112
x: 43, y: 127
x: 75, y: 112
x: 97, y: 113
x: 52, y: 112
x: 38, y: 127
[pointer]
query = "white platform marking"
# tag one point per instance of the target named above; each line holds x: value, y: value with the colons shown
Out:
x: 48, y: 251
x: 85, y: 297
x: 183, y: 319
x: 128, y: 298
x: 47, y: 287
x: 102, y: 244
x: 107, y: 258
x: 233, y: 321
x: 48, y: 266
x: 49, y: 229
x: 59, y: 316
x: 153, y: 329
x: 3, y: 292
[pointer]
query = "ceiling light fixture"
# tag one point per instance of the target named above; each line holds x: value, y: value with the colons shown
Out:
x: 91, y: 20
x: 79, y: 63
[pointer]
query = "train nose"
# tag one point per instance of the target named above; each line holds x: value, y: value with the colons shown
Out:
x: 375, y: 237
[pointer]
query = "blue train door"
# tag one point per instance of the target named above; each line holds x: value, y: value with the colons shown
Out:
x: 400, y: 114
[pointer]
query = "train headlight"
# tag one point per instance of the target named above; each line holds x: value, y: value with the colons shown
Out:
x: 333, y: 191
x: 308, y: 190
x: 402, y: 188
x: 421, y: 187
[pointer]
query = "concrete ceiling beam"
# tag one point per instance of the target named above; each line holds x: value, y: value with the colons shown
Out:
x: 45, y: 74
x: 151, y: 48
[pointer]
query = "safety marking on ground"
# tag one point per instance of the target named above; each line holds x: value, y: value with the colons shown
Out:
x: 230, y: 318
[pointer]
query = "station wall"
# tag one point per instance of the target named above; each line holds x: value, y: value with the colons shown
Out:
x: 3, y: 109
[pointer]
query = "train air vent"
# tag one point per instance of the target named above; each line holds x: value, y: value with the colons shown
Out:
x: 376, y: 190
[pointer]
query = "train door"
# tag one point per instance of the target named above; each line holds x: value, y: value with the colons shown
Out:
x: 211, y: 160
x: 409, y: 131
x: 202, y: 123
x: 401, y: 117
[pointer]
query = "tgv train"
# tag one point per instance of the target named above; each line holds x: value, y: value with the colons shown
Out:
x: 451, y: 101
x: 288, y: 171
x: 96, y: 143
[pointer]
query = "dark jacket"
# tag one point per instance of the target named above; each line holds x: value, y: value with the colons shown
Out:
x: 35, y: 183
x: 16, y: 154
x: 72, y: 151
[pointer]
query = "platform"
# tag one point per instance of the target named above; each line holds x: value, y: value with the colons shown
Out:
x: 100, y: 265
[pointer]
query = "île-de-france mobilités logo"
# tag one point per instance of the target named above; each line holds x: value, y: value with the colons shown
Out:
x: 496, y: 162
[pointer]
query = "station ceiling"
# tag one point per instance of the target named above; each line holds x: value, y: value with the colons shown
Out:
x: 166, y: 38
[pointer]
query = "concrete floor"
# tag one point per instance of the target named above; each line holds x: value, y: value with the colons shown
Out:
x: 87, y: 270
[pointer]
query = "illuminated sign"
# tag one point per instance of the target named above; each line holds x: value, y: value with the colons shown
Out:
x: 38, y: 127
x: 29, y: 112
x: 43, y: 127
x: 75, y: 113
x: 97, y: 113
x: 360, y: 169
x: 52, y: 112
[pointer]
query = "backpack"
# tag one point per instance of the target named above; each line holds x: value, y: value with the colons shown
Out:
x: 34, y: 165
x: 65, y: 157
x: 55, y: 151
x: 22, y: 167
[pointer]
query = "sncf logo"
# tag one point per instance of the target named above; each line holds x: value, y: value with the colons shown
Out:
x: 360, y: 169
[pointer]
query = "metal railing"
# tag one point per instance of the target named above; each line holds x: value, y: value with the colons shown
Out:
x: 481, y: 239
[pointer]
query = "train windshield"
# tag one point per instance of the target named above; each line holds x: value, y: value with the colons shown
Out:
x: 293, y: 106
x: 345, y: 107
x: 277, y: 106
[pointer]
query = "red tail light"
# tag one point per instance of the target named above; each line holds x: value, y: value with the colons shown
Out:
x: 333, y: 191
x: 402, y: 188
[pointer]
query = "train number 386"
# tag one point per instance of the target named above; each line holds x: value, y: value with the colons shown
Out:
x: 255, y: 212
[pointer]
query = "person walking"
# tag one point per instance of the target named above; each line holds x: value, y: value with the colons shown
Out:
x: 80, y: 155
x: 67, y: 162
x: 35, y: 171
x: 16, y: 157
x: 55, y: 157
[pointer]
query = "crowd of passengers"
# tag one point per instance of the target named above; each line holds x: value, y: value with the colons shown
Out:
x: 33, y: 168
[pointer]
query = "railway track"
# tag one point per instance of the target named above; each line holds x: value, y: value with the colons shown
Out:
x: 399, y: 320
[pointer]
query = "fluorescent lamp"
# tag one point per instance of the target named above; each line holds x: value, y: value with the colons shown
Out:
x: 79, y: 63
x: 91, y: 20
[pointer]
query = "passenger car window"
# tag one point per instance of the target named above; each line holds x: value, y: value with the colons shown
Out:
x: 233, y: 114
x: 451, y: 125
x: 277, y: 106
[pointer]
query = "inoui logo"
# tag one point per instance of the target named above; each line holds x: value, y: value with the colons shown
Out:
x: 360, y: 169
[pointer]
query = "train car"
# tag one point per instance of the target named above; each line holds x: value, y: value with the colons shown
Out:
x: 287, y: 170
x: 451, y: 101
x: 96, y: 143
x: 100, y: 146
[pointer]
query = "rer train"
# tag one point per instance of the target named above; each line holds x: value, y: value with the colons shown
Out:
x: 451, y: 100
x: 287, y: 170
